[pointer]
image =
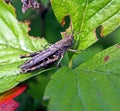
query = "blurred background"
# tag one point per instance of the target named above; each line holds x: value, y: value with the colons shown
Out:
x: 43, y: 23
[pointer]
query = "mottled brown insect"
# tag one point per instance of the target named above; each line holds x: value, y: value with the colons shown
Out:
x: 51, y: 55
x: 28, y: 4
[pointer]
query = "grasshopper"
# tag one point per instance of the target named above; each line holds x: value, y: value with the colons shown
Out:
x: 45, y: 58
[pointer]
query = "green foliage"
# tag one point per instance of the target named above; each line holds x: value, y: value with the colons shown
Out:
x: 14, y: 41
x: 93, y: 84
x: 86, y: 16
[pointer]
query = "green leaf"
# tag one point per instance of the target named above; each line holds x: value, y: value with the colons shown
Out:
x: 45, y: 2
x: 86, y: 16
x: 92, y: 86
x: 14, y: 41
x: 39, y: 84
